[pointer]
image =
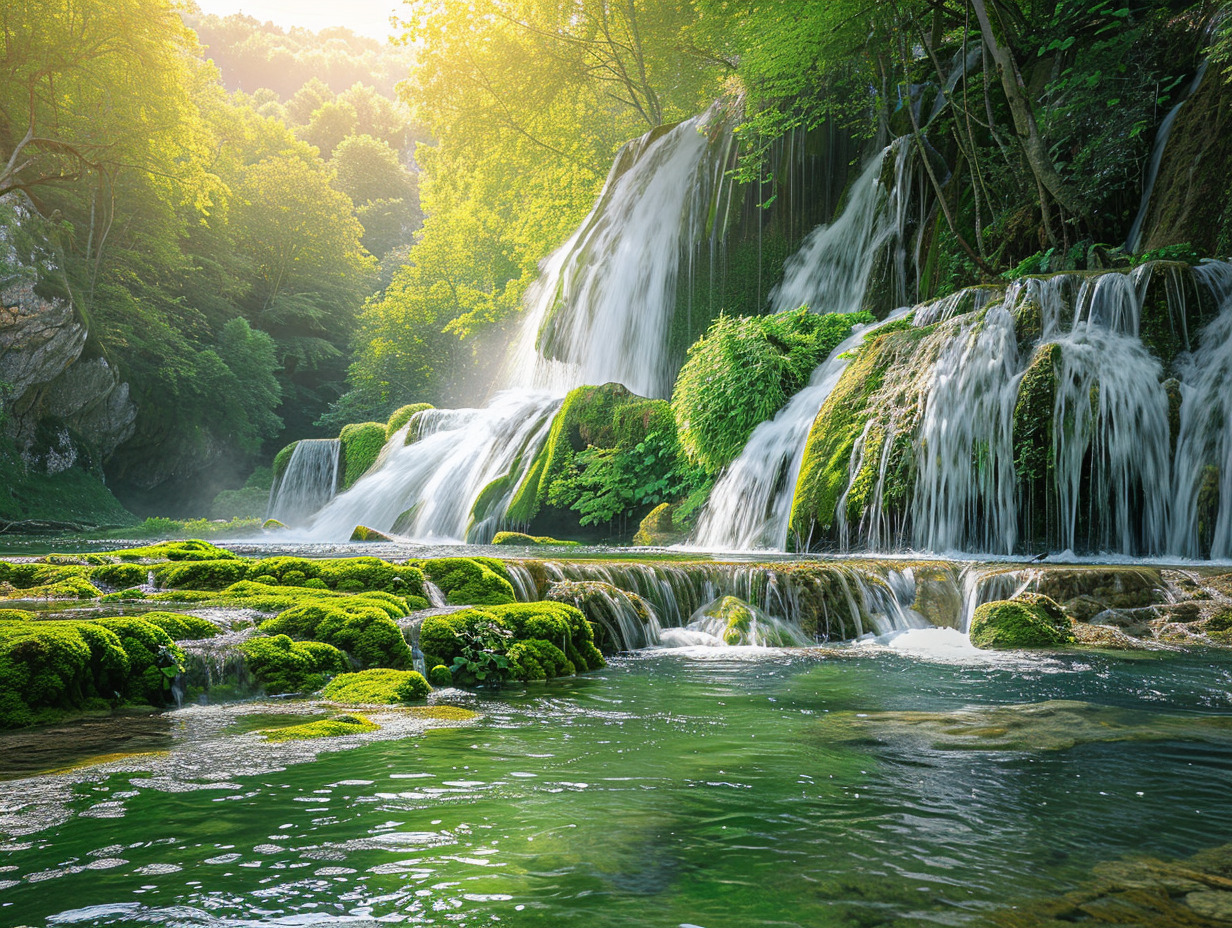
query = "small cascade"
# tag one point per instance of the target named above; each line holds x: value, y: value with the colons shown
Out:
x: 309, y: 482
x: 1202, y: 501
x: 218, y: 665
x: 427, y: 490
x: 730, y: 623
x: 751, y: 503
x: 1134, y: 240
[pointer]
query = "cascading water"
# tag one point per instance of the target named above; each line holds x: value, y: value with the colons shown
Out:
x: 751, y: 503
x: 309, y: 482
x: 600, y: 312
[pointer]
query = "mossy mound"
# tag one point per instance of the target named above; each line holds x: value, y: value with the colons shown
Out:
x: 401, y: 416
x: 470, y: 581
x: 559, y: 641
x: 281, y: 665
x: 193, y: 549
x: 659, y: 529
x: 377, y: 687
x: 362, y: 630
x: 361, y: 445
x: 440, y: 676
x: 1009, y: 624
x: 182, y: 627
x: 363, y: 533
x: 323, y: 728
x: 530, y: 541
x: 273, y: 525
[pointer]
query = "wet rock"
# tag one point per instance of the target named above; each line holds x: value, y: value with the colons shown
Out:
x: 1216, y: 905
x: 1107, y: 637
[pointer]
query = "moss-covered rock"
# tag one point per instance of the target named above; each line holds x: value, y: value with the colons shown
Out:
x: 281, y: 460
x: 439, y: 676
x: 119, y: 576
x: 182, y: 627
x: 363, y: 533
x: 362, y: 630
x: 620, y: 617
x: 469, y: 581
x: 361, y: 445
x: 155, y: 660
x: 1034, y: 464
x: 281, y: 665
x: 1009, y: 624
x: 193, y: 549
x: 530, y: 541
x: 273, y: 525
x: 401, y: 416
x: 377, y: 687
x: 199, y: 575
x: 538, y: 659
x: 658, y: 529
x: 336, y: 727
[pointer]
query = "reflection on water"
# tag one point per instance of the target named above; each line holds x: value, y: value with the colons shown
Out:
x: 761, y: 788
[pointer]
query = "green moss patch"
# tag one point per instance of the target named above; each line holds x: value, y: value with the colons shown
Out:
x: 377, y: 687
x: 530, y: 541
x: 361, y: 444
x: 281, y: 665
x: 402, y: 415
x: 325, y: 728
x: 1011, y: 624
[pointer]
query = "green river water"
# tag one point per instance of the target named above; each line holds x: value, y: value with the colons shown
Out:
x: 722, y: 788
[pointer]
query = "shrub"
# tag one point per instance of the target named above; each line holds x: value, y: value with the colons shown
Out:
x: 440, y: 676
x: 742, y: 371
x: 377, y: 687
x: 281, y: 665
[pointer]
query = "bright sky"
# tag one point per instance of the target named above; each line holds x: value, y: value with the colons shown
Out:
x: 367, y: 17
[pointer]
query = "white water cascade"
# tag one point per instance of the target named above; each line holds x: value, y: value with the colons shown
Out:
x: 600, y: 312
x: 750, y: 505
x: 309, y: 482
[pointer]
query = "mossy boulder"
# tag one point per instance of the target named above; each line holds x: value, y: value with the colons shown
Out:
x: 362, y: 630
x: 659, y: 529
x: 470, y: 581
x: 361, y: 445
x: 273, y: 525
x: 1009, y: 624
x: 281, y: 665
x: 363, y: 533
x: 1034, y: 463
x: 119, y: 576
x: 199, y: 575
x: 737, y: 618
x: 182, y: 627
x: 440, y: 676
x: 530, y: 541
x: 281, y: 460
x: 377, y: 687
x: 336, y: 727
x: 193, y: 549
x: 401, y: 416
x: 155, y: 660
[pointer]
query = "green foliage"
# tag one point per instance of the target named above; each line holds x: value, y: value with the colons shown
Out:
x: 322, y: 728
x: 377, y: 687
x: 1017, y: 624
x: 361, y: 444
x: 536, y: 659
x: 439, y: 676
x: 481, y: 658
x: 742, y: 371
x: 468, y: 581
x: 281, y: 665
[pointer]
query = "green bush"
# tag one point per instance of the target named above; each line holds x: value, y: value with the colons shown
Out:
x: 361, y: 443
x: 440, y: 676
x: 377, y: 687
x: 469, y: 581
x: 1009, y: 625
x: 281, y: 665
x: 742, y: 371
x: 402, y: 416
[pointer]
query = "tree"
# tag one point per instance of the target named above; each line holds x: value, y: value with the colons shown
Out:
x: 329, y: 125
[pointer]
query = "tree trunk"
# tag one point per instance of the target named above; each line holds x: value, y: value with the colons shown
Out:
x: 1025, y: 125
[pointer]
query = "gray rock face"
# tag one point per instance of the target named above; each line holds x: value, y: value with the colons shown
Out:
x: 41, y: 342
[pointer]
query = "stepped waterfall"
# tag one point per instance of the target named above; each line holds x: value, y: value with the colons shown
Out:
x: 600, y: 312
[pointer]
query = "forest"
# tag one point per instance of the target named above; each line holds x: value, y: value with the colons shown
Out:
x: 257, y: 235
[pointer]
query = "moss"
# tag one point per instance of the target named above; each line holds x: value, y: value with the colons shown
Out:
x: 361, y: 444
x: 155, y: 659
x: 363, y: 533
x: 73, y: 499
x: 443, y: 713
x: 119, y: 576
x: 66, y: 588
x: 324, y: 728
x: 346, y: 575
x: 402, y: 416
x: 1032, y: 444
x: 563, y: 625
x: 200, y: 575
x: 182, y: 627
x: 737, y: 618
x: 271, y: 525
x: 282, y: 459
x: 124, y: 596
x: 1011, y: 625
x: 377, y: 687
x: 190, y: 550
x: 538, y: 659
x: 530, y: 541
x: 865, y: 392
x: 281, y: 665
x: 469, y: 581
x: 440, y: 676
x: 658, y: 528
x: 362, y: 629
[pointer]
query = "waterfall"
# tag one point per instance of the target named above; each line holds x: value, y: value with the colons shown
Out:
x: 600, y: 312
x: 1204, y: 442
x: 309, y: 482
x: 1133, y: 240
x: 751, y: 502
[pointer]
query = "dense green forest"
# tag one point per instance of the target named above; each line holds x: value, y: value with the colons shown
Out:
x: 266, y: 234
